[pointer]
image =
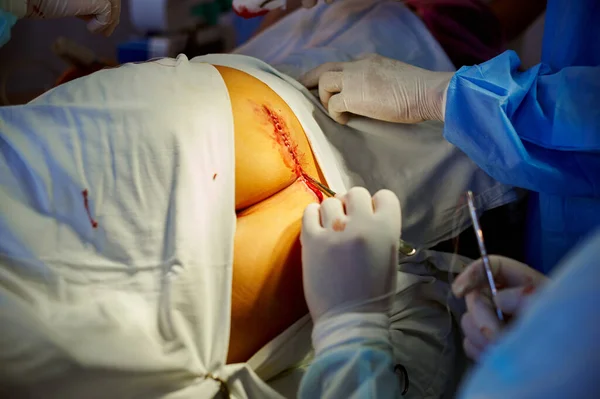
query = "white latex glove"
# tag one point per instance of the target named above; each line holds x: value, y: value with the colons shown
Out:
x: 349, y: 260
x: 349, y: 252
x: 380, y: 88
x: 515, y: 283
x: 102, y: 15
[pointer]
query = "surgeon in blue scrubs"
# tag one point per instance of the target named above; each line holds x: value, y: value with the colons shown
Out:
x: 537, y: 129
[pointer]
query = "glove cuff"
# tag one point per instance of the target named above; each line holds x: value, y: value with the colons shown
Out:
x: 435, y: 108
x: 444, y: 99
x: 18, y: 8
x: 355, y: 329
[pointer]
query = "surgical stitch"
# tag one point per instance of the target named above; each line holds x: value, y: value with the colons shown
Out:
x: 282, y: 135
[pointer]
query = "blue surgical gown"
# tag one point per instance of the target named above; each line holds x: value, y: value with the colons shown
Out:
x: 540, y: 129
x: 7, y: 20
x: 551, y: 352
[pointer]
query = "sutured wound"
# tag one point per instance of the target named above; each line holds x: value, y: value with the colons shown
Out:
x: 282, y: 136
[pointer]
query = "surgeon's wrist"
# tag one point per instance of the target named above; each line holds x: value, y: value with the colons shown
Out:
x: 18, y: 8
x: 351, y: 330
x: 444, y: 99
x: 438, y: 92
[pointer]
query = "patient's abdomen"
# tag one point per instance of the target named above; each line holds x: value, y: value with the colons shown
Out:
x: 272, y: 155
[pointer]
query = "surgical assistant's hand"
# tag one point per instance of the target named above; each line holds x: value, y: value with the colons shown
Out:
x: 350, y: 253
x: 102, y: 16
x: 380, y: 88
x: 515, y: 282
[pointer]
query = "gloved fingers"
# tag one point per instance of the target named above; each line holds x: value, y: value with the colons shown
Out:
x: 472, y: 332
x: 512, y: 273
x: 311, y: 78
x: 115, y: 14
x: 358, y: 202
x: 337, y: 107
x: 330, y: 83
x: 483, y: 314
x: 471, y: 350
x: 513, y: 300
x: 387, y: 203
x: 473, y: 277
x: 311, y: 221
x: 332, y: 214
x: 507, y: 272
x: 106, y: 16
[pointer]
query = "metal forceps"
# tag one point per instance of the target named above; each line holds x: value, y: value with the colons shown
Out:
x: 484, y: 255
x: 404, y: 247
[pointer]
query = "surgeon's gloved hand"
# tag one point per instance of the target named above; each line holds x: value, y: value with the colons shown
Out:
x: 349, y: 260
x: 102, y: 16
x: 515, y: 283
x: 380, y: 88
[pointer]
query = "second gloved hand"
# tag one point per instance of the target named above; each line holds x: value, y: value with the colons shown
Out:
x: 380, y: 88
x: 102, y: 15
x: 350, y: 253
x: 349, y: 259
x: 515, y: 282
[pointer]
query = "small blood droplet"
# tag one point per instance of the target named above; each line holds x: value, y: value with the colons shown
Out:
x: 247, y: 14
x: 529, y: 289
x: 214, y: 176
x: 338, y: 225
x: 86, y: 204
x: 487, y: 333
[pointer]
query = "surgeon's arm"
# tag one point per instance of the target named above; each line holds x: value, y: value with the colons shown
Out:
x: 536, y: 129
x: 354, y: 361
x: 552, y: 351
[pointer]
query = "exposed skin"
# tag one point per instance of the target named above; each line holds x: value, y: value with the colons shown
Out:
x: 271, y: 195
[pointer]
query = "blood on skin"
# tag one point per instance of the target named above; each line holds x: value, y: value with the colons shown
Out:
x: 282, y: 137
x: 245, y: 13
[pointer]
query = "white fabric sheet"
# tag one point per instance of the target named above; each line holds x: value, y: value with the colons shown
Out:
x: 346, y: 30
x: 140, y: 305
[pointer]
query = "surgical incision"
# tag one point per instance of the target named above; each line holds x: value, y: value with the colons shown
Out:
x: 292, y: 157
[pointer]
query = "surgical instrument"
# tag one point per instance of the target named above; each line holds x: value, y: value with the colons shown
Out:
x: 320, y: 186
x: 484, y: 255
x: 404, y: 247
